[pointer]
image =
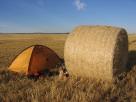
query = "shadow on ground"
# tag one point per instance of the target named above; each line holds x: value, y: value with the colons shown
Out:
x: 131, y: 59
x: 49, y: 73
x: 132, y: 42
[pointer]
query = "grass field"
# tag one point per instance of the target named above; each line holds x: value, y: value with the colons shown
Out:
x: 18, y: 88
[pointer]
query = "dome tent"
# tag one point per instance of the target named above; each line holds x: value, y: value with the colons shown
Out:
x: 34, y: 60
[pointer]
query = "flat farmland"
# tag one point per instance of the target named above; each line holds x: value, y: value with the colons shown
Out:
x: 19, y: 88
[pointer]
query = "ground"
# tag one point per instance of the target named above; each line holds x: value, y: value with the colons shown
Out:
x: 19, y: 88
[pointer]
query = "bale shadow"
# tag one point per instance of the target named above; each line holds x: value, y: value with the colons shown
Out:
x: 134, y: 41
x: 131, y: 60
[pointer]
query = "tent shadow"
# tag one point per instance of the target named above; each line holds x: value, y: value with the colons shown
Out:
x: 131, y: 60
x: 47, y: 73
x: 44, y: 74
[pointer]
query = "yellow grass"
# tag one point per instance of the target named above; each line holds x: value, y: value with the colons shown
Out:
x: 18, y: 88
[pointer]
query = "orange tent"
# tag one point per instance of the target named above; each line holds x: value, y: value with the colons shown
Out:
x: 35, y: 59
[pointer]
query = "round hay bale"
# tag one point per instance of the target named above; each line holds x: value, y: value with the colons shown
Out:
x: 99, y: 52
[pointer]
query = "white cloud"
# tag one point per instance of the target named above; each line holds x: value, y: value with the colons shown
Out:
x: 80, y: 5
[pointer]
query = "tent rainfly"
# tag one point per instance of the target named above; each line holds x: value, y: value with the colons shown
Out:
x: 34, y: 60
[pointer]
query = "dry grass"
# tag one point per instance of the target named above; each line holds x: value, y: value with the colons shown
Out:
x: 18, y: 88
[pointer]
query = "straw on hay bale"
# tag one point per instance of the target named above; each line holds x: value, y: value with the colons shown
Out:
x: 99, y: 52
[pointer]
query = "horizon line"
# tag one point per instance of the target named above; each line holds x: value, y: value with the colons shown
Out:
x: 33, y: 33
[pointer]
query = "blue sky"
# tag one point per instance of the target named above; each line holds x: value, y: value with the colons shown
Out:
x: 64, y: 15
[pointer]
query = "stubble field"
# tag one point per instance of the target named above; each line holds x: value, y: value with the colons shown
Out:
x: 19, y: 88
